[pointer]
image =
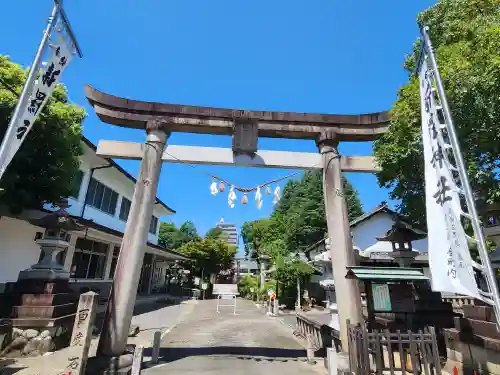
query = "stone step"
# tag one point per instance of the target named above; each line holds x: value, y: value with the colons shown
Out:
x: 48, y: 299
x: 477, y: 327
x: 485, y: 313
x: 43, y: 311
x: 43, y: 322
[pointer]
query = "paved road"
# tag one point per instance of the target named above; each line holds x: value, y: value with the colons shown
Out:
x: 249, y: 343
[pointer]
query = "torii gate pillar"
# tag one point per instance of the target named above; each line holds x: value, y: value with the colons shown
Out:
x: 347, y: 291
x: 124, y: 289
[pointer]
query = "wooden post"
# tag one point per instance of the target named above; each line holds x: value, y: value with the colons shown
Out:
x: 124, y: 290
x: 347, y: 291
x: 82, y: 333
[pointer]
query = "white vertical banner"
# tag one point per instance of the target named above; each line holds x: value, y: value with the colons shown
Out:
x: 449, y: 257
x: 49, y: 75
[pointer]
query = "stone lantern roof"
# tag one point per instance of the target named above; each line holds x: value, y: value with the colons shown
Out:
x: 402, y: 232
x: 59, y: 219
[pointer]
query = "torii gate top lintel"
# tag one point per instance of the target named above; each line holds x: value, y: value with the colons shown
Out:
x: 208, y: 120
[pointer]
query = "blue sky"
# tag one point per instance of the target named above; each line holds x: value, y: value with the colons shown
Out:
x: 315, y: 56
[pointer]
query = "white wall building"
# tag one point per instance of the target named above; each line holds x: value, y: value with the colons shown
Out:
x: 364, y: 231
x: 101, y: 204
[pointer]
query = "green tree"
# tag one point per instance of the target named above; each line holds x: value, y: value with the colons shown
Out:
x: 189, y: 231
x: 172, y: 237
x: 208, y: 255
x: 246, y: 284
x: 299, y: 218
x: 466, y: 39
x: 247, y: 237
x: 47, y: 163
x: 216, y: 233
x: 169, y: 236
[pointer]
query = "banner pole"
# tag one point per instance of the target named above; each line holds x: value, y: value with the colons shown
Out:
x: 28, y: 84
x: 462, y: 170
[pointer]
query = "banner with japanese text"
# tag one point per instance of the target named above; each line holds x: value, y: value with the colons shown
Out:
x: 60, y: 55
x: 449, y: 257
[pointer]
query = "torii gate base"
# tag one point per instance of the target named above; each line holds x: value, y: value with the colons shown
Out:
x: 159, y: 120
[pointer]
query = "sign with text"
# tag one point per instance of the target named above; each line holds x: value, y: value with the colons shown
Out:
x: 49, y: 75
x: 226, y: 289
x: 449, y: 257
x: 381, y: 297
x: 82, y: 334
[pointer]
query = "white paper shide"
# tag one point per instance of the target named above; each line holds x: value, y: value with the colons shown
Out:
x: 50, y: 73
x: 449, y: 257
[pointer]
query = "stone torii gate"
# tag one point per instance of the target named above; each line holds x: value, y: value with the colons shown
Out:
x: 159, y: 120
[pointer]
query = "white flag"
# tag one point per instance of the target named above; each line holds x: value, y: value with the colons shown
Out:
x: 277, y: 193
x: 449, y: 257
x: 258, y: 198
x: 50, y: 74
x: 231, y: 197
x: 213, y: 188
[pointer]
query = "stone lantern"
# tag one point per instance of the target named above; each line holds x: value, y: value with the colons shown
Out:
x: 401, y: 236
x: 264, y: 262
x: 57, y: 226
x: 42, y: 304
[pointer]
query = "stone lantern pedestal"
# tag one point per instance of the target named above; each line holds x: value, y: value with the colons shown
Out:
x: 43, y: 305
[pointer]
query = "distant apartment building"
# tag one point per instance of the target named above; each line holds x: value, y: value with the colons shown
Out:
x: 230, y: 232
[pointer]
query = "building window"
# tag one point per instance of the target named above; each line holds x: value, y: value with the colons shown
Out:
x: 125, y: 209
x: 102, y: 197
x: 89, y: 260
x: 153, y: 225
x: 114, y: 261
x: 76, y: 183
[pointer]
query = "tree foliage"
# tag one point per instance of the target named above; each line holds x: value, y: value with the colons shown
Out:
x: 172, y: 237
x: 209, y: 255
x: 216, y: 233
x: 466, y: 39
x: 248, y: 286
x: 46, y: 165
x: 297, y: 221
x: 289, y: 269
x: 188, y: 229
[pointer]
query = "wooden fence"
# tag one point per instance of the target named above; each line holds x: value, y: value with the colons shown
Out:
x: 385, y: 352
